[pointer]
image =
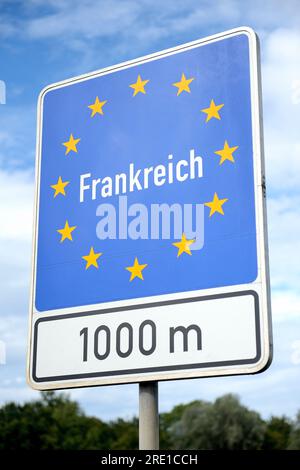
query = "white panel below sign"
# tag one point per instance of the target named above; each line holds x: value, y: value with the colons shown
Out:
x: 208, y: 332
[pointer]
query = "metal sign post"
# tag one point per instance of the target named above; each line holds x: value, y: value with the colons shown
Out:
x: 148, y: 416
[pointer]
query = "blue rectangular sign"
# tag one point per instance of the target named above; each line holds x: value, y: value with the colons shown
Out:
x: 147, y: 179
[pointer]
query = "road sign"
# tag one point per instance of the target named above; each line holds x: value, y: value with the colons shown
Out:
x: 150, y: 248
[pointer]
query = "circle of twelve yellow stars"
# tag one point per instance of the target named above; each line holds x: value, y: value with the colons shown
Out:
x: 216, y: 205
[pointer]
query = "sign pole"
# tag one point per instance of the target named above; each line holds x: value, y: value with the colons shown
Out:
x: 148, y: 416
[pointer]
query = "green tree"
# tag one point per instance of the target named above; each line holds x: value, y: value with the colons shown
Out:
x: 124, y: 434
x: 224, y: 424
x: 54, y: 422
x: 294, y: 440
x: 277, y: 433
x: 166, y: 422
x: 190, y: 430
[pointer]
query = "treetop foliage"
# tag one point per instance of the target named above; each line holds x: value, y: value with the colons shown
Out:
x: 56, y: 422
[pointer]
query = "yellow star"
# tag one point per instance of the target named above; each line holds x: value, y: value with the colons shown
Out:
x: 71, y: 144
x: 139, y: 86
x: 226, y: 153
x: 183, y: 246
x: 212, y: 111
x: 97, y: 107
x: 66, y: 232
x: 60, y: 187
x: 136, y: 270
x: 183, y: 85
x: 216, y: 205
x: 91, y: 258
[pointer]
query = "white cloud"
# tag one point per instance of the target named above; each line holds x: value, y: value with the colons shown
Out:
x: 86, y: 18
x: 16, y: 394
x: 17, y: 135
x: 147, y: 19
x: 285, y: 306
x: 13, y: 329
x: 284, y: 241
x: 16, y: 204
x: 280, y: 70
x: 108, y: 402
x: 101, y: 18
x: 295, y: 356
x: 7, y: 28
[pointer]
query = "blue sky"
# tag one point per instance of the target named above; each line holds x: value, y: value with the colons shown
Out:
x: 43, y: 42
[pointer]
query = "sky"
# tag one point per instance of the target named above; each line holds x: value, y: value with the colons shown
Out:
x: 47, y: 41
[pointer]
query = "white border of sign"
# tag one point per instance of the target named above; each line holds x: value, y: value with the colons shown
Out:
x: 260, y: 288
